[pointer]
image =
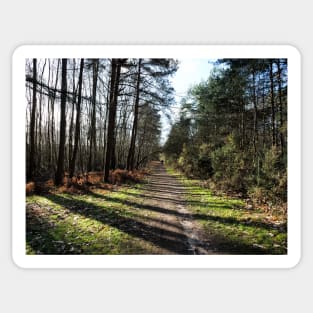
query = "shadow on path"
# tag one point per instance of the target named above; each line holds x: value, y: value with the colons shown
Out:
x: 167, y: 225
x: 174, y: 242
x: 197, y: 216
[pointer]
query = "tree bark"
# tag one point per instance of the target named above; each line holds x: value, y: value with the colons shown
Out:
x: 92, y: 146
x: 105, y: 127
x: 114, y: 91
x: 32, y: 124
x: 255, y: 115
x: 39, y: 150
x: 77, y: 125
x: 60, y: 168
x: 141, y: 144
x: 272, y: 105
x: 70, y: 135
x: 131, y: 153
x: 54, y: 156
x: 48, y: 121
x: 282, y: 140
x: 243, y: 125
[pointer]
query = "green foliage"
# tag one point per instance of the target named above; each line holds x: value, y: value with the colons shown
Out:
x: 230, y: 166
x: 236, y: 134
x: 177, y: 138
x: 188, y: 161
x: 274, y: 174
x: 205, y: 168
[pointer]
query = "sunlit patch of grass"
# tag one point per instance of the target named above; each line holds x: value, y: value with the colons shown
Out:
x: 29, y: 249
x: 64, y: 223
x: 232, y: 227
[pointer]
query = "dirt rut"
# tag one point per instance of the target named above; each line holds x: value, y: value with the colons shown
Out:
x: 164, y: 195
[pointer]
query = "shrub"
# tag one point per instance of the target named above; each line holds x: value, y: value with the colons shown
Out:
x: 274, y: 174
x: 204, y: 165
x: 119, y: 176
x: 231, y: 166
x: 187, y: 161
x: 259, y: 194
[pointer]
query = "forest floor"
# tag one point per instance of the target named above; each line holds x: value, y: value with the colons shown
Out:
x: 166, y: 214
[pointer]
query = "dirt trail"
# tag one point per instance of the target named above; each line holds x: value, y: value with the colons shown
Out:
x: 180, y: 233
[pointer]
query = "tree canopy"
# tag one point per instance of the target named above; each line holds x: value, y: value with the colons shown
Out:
x: 232, y: 128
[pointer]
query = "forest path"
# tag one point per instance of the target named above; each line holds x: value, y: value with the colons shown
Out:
x: 164, y: 195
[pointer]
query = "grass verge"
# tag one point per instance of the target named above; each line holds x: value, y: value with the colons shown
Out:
x: 97, y: 222
x: 232, y: 227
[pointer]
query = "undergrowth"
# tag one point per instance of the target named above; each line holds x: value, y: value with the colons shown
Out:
x: 84, y: 182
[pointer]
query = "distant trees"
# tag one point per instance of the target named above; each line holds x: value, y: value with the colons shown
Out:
x: 93, y: 114
x: 151, y: 87
x: 232, y: 128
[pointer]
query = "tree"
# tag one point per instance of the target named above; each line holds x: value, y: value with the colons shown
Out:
x: 60, y: 168
x: 131, y: 153
x: 271, y: 63
x: 92, y: 146
x: 152, y: 86
x: 78, y: 113
x: 113, y: 116
x: 236, y: 128
x: 114, y: 92
x: 70, y: 139
x: 32, y: 124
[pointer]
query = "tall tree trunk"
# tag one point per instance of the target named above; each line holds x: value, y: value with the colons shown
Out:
x: 141, y: 144
x: 92, y: 146
x: 60, y: 169
x: 77, y: 125
x: 272, y: 105
x: 282, y: 140
x: 32, y: 124
x: 243, y: 125
x: 49, y: 120
x: 39, y: 152
x: 255, y: 115
x: 105, y: 126
x: 131, y: 153
x: 114, y: 90
x: 113, y: 154
x: 54, y: 156
x: 122, y: 161
x: 263, y: 115
x: 70, y: 135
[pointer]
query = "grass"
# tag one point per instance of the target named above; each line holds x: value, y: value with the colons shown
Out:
x: 233, y: 228
x: 116, y: 220
x: 91, y: 223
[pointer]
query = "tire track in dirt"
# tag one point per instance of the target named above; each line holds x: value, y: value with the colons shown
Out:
x: 164, y: 196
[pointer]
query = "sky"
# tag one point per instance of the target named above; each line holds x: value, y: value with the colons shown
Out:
x: 189, y: 73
